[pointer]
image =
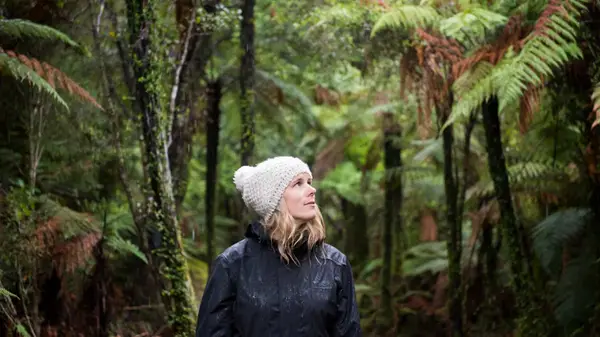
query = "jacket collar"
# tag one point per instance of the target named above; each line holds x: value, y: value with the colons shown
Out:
x: 256, y: 231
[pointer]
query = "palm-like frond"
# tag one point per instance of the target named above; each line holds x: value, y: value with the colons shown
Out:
x: 471, y: 25
x: 54, y: 76
x: 525, y: 65
x: 18, y: 28
x: 473, y: 88
x: 554, y: 232
x: 19, y: 71
x: 522, y: 176
x: 407, y: 17
x: 549, y: 46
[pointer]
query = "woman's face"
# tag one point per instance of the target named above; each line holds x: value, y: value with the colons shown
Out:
x: 299, y: 197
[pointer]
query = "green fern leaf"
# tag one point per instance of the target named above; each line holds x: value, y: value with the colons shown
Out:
x: 550, y: 236
x: 407, y: 17
x: 122, y: 247
x: 19, y: 71
x: 548, y: 47
x: 471, y: 25
x: 18, y: 28
x: 473, y: 88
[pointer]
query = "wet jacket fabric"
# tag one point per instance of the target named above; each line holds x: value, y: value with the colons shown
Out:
x: 252, y: 293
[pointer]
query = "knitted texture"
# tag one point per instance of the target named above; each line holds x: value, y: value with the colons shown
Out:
x: 262, y: 186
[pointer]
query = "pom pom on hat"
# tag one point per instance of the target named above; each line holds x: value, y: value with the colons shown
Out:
x: 241, y: 175
x: 262, y: 186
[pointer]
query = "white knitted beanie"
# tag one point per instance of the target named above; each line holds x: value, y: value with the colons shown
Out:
x: 262, y: 186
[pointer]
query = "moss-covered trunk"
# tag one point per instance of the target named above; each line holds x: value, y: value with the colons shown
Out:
x: 534, y: 319
x: 177, y: 292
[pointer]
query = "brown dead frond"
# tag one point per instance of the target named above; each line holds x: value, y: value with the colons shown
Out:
x: 47, y: 233
x: 434, y: 55
x: 554, y: 7
x: 74, y: 253
x: 530, y: 103
x: 408, y: 77
x: 511, y: 37
x: 54, y: 77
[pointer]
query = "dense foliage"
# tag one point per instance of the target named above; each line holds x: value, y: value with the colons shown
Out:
x: 454, y: 146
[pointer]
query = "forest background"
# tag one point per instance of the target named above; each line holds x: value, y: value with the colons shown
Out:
x: 454, y: 146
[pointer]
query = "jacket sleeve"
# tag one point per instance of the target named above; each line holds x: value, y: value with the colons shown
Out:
x: 215, y: 316
x: 348, y: 320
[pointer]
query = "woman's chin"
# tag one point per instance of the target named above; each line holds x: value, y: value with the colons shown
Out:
x: 306, y: 216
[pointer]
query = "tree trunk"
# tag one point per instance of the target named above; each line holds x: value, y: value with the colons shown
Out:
x: 534, y: 320
x: 454, y: 242
x: 177, y: 297
x: 196, y: 53
x: 247, y: 80
x: 356, y: 233
x: 212, y: 155
x: 393, y: 206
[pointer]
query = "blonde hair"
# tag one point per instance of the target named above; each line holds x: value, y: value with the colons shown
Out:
x: 287, y: 232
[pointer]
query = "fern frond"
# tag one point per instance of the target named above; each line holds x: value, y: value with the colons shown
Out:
x: 471, y: 25
x: 522, y: 176
x: 530, y: 103
x: 19, y: 71
x: 493, y: 53
x: 576, y: 291
x: 123, y: 247
x: 550, y: 45
x: 18, y: 28
x: 407, y: 17
x: 554, y: 232
x: 53, y: 76
x: 472, y: 89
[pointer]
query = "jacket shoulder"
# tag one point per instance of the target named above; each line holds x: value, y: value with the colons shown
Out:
x: 234, y: 252
x: 335, y: 255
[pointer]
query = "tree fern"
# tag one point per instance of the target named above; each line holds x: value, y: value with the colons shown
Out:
x: 17, y: 28
x: 551, y: 45
x: 19, y: 71
x: 471, y: 25
x: 407, y: 17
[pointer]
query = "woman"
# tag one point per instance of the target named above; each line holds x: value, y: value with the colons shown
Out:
x: 282, y: 280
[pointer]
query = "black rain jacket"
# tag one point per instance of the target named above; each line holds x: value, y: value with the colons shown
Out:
x: 252, y: 293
